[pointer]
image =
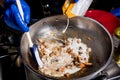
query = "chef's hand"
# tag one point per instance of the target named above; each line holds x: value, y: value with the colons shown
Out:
x: 116, y: 12
x: 75, y: 0
x: 13, y: 18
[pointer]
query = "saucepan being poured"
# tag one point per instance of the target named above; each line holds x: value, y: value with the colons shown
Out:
x: 83, y: 51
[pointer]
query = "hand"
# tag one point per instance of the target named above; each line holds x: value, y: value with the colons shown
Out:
x: 76, y: 0
x: 13, y: 18
x: 116, y: 12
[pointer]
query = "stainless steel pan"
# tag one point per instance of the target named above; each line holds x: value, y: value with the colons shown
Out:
x: 82, y: 27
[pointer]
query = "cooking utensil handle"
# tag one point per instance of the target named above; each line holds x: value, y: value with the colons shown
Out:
x: 22, y: 15
x: 20, y: 9
x: 112, y: 71
x: 101, y: 76
x: 29, y: 39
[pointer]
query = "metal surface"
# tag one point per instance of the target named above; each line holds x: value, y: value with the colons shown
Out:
x: 0, y: 71
x: 112, y: 70
x: 80, y: 27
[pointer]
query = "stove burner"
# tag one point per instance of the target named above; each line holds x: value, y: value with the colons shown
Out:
x: 9, y: 55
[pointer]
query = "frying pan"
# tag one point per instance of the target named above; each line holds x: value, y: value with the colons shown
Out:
x: 81, y: 27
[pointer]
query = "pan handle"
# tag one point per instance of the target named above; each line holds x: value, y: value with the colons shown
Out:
x: 101, y: 76
x: 113, y: 69
x: 111, y: 72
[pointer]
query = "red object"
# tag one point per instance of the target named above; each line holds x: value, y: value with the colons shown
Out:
x: 107, y: 19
